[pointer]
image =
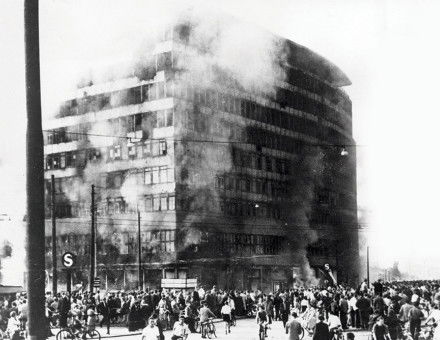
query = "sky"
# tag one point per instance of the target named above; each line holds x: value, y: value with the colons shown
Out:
x: 388, y: 48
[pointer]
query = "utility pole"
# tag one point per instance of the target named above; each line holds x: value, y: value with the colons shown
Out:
x: 92, y: 240
x: 54, y: 236
x: 35, y: 262
x: 368, y: 266
x: 140, y: 278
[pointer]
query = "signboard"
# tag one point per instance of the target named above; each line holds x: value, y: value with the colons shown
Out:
x: 179, y: 283
x: 97, y: 282
x: 68, y: 259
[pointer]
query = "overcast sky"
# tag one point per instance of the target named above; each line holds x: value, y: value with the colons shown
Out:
x: 389, y: 49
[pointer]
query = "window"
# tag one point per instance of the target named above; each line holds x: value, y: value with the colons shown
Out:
x: 147, y: 148
x: 258, y: 186
x: 148, y: 179
x: 131, y: 150
x: 170, y: 173
x: 162, y: 147
x: 268, y: 164
x: 49, y: 162
x: 163, y: 174
x: 156, y: 203
x: 115, y: 152
x: 161, y: 118
x: 63, y: 161
x: 169, y: 117
x: 148, y: 203
x: 163, y: 202
x: 56, y: 161
x: 171, y: 203
x: 155, y: 177
x: 220, y: 182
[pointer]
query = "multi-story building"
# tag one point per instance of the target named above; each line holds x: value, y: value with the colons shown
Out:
x: 234, y: 186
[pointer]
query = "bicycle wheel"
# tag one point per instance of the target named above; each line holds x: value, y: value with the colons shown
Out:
x: 213, y: 330
x: 94, y: 334
x: 64, y: 334
x: 301, y: 334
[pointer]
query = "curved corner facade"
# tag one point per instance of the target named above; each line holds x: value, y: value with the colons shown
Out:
x: 227, y: 185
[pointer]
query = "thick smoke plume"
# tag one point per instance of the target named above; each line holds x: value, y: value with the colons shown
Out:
x: 307, y: 170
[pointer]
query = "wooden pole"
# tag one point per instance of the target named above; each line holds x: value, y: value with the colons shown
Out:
x: 140, y: 278
x: 35, y: 245
x: 92, y: 240
x: 54, y: 237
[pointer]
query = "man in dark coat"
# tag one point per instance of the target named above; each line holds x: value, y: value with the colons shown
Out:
x: 321, y: 331
x: 64, y: 308
x: 284, y: 310
x: 364, y: 305
x: 103, y: 308
x: 277, y: 301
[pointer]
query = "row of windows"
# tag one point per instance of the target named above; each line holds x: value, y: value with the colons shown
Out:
x: 243, y: 208
x: 114, y: 180
x: 304, y: 81
x: 250, y: 109
x: 252, y: 185
x: 114, y: 206
x: 243, y: 243
x: 258, y: 161
x: 254, y: 135
x: 122, y: 151
x: 137, y: 126
x: 125, y: 243
x: 130, y: 96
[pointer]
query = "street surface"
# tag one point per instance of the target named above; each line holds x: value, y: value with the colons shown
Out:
x: 246, y: 329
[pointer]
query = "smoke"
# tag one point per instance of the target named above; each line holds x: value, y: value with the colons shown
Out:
x: 307, y: 170
x: 216, y: 53
x: 12, y: 255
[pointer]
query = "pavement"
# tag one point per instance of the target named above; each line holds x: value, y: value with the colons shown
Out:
x: 246, y: 329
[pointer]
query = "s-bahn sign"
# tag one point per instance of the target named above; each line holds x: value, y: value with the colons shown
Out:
x: 68, y: 259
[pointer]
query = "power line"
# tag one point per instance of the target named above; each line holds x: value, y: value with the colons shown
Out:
x: 188, y: 140
x: 220, y: 224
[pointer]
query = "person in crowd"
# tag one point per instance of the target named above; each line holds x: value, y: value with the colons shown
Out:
x: 364, y: 306
x: 321, y: 330
x: 150, y: 332
x: 262, y: 319
x: 226, y: 314
x: 343, y: 312
x: 380, y: 330
x: 293, y: 327
x: 393, y: 324
x: 205, y: 313
x: 284, y: 310
x: 180, y: 329
x: 415, y: 320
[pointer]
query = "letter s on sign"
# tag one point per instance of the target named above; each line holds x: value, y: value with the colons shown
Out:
x: 68, y: 260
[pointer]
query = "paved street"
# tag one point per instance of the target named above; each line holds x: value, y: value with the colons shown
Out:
x: 246, y: 329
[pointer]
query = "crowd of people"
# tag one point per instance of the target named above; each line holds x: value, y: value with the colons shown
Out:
x: 390, y: 311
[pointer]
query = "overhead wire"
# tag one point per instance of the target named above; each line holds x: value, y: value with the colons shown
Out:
x: 189, y: 140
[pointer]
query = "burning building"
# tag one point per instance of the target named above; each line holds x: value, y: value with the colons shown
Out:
x: 230, y: 149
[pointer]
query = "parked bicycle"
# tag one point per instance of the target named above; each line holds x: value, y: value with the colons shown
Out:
x: 208, y: 329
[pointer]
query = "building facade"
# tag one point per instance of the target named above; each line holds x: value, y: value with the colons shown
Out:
x: 231, y: 185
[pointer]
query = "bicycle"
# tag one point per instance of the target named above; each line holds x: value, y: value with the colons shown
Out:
x: 208, y: 329
x: 68, y: 333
